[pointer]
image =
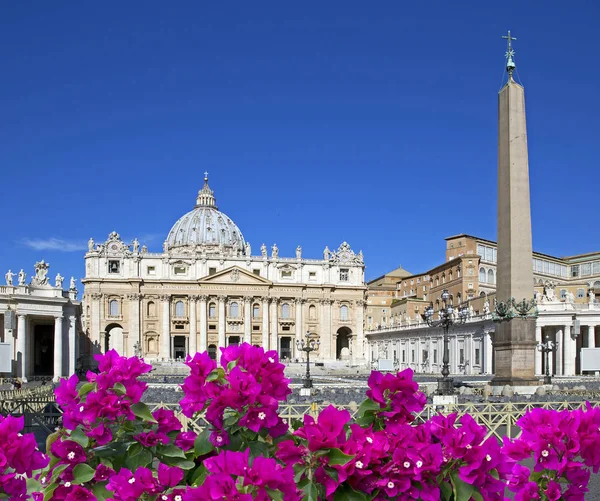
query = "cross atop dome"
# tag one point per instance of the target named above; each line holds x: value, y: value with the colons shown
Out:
x: 206, y: 176
x: 510, y: 64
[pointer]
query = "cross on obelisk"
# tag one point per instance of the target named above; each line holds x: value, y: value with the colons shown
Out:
x: 510, y: 64
x: 514, y: 339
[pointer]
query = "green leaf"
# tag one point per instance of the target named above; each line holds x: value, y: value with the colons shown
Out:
x: 333, y: 474
x: 347, y: 493
x: 78, y: 436
x: 49, y: 491
x: 101, y: 492
x: 274, y: 495
x: 231, y: 365
x: 112, y: 450
x: 184, y: 464
x: 83, y: 473
x: 310, y: 492
x: 142, y: 411
x: 367, y: 406
x: 336, y: 456
x: 299, y: 471
x: 143, y: 458
x: 85, y: 389
x: 119, y: 388
x: 218, y: 373
x: 135, y: 448
x: 477, y: 495
x: 172, y: 451
x: 57, y: 471
x: 445, y: 490
x: 462, y: 490
x: 202, y: 444
x: 198, y: 476
x: 259, y: 449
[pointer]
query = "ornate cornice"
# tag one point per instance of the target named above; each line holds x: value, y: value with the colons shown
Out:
x: 193, y: 298
x: 248, y: 299
x: 164, y: 297
x: 96, y: 296
x: 222, y: 299
x: 203, y: 298
x: 134, y: 296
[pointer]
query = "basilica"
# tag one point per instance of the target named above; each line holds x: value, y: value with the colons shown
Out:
x: 207, y: 290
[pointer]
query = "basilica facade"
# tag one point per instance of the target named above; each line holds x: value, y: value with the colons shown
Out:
x: 207, y: 290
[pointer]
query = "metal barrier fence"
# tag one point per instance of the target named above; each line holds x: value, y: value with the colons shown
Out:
x: 499, y: 418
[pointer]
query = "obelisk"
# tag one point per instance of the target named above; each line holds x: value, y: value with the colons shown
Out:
x: 514, y: 341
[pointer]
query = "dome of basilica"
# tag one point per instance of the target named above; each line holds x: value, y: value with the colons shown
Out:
x: 205, y: 228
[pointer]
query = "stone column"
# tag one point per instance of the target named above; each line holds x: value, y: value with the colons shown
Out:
x: 134, y: 323
x: 558, y: 371
x: 265, y: 323
x: 165, y: 335
x: 299, y: 326
x: 325, y: 334
x: 203, y: 324
x: 274, y: 314
x: 193, y: 344
x: 58, y: 348
x: 591, y: 336
x: 488, y: 350
x: 569, y: 352
x: 248, y: 319
x: 360, y: 354
x: 72, y: 345
x: 221, y: 327
x: 538, y: 354
x: 95, y: 320
x: 22, y: 368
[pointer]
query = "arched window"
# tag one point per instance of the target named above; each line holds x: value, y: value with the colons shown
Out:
x: 212, y: 351
x: 114, y: 308
x: 457, y: 272
x: 343, y: 312
x: 179, y: 309
x: 87, y: 310
x: 151, y: 309
x: 212, y: 310
x: 491, y: 279
x: 482, y: 275
x: 312, y: 312
x: 234, y: 310
x: 458, y: 297
x: 285, y: 310
x: 255, y: 311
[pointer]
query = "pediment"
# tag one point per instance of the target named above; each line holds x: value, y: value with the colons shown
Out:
x: 237, y: 276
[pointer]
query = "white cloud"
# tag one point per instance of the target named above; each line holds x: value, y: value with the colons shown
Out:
x: 55, y: 244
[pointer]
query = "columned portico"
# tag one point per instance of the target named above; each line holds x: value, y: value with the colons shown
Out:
x: 73, y: 348
x: 569, y: 352
x: 274, y: 326
x: 558, y: 370
x: 203, y: 326
x: 165, y: 335
x: 299, y: 326
x: 221, y: 329
x: 265, y: 323
x: 248, y: 319
x: 193, y: 343
x: 538, y: 354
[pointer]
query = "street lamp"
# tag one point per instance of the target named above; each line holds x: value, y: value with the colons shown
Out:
x: 547, y: 348
x: 448, y: 317
x: 307, y: 346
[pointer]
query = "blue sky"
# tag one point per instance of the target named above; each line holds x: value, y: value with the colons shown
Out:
x: 319, y: 122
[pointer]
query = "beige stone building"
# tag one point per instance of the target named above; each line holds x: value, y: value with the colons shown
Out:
x: 567, y: 290
x: 206, y: 289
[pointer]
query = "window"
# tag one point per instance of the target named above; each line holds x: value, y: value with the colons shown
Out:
x: 461, y: 356
x: 256, y: 327
x: 179, y: 270
x: 151, y: 270
x: 212, y: 271
x: 179, y: 326
x: 312, y: 275
x: 477, y: 356
x: 286, y: 273
x: 114, y: 308
x: 470, y: 286
x: 490, y: 277
x: 425, y: 355
x: 179, y: 309
x: 563, y: 293
x: 343, y: 312
x: 285, y: 310
x: 403, y: 356
x: 312, y: 312
x: 435, y: 356
x: 580, y: 292
x: 482, y: 275
x: 285, y: 327
x: 586, y: 269
x: 575, y: 270
x: 370, y: 320
x: 151, y: 309
x: 596, y: 268
x: 212, y: 310
x: 412, y: 356
x: 234, y: 310
x: 212, y: 351
x: 114, y: 266
x: 344, y: 274
x: 256, y: 271
x: 255, y: 311
x: 212, y: 327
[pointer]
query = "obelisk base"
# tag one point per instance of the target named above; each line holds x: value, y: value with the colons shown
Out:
x: 514, y: 351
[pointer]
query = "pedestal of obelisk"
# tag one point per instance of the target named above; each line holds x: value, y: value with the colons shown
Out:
x: 514, y: 339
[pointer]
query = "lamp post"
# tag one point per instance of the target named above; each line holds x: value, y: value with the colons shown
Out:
x: 547, y: 348
x: 448, y: 317
x: 307, y: 346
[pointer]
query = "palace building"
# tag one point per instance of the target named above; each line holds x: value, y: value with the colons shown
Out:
x: 207, y: 290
